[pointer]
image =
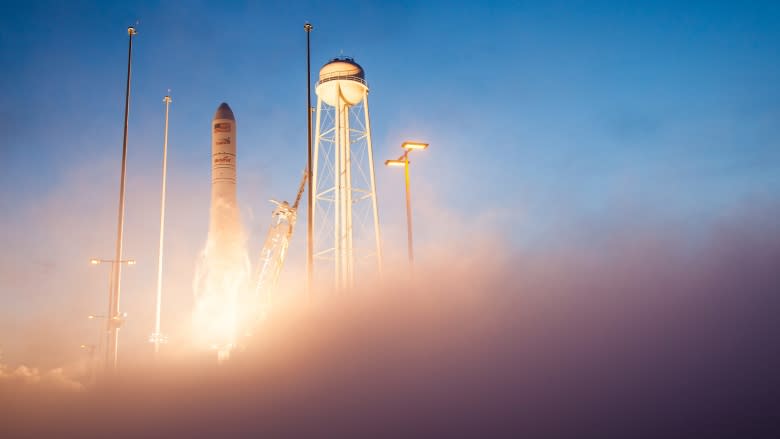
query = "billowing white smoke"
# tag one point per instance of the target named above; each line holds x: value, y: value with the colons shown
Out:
x: 221, y: 282
x: 52, y: 379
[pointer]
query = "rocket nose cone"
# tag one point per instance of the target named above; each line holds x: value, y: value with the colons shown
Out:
x: 224, y: 112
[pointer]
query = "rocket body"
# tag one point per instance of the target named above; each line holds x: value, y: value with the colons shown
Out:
x: 222, y: 272
x: 224, y: 210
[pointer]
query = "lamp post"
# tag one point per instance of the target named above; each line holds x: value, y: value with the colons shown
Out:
x: 157, y: 337
x: 309, y: 195
x: 112, y: 345
x: 404, y: 161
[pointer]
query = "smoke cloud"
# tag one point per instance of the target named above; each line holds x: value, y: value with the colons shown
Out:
x: 23, y: 376
x: 221, y: 281
x: 646, y: 333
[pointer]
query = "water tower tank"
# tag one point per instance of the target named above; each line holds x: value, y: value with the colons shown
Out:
x: 343, y: 77
x: 344, y: 187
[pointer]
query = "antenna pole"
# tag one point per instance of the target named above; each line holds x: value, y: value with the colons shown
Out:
x: 114, y: 319
x: 157, y: 337
x: 310, y: 196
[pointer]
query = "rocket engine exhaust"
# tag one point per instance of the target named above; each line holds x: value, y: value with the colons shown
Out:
x: 222, y: 274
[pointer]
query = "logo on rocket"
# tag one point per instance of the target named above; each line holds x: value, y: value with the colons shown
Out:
x: 223, y: 162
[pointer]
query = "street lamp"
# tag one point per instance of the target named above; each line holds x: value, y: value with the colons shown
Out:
x: 112, y: 342
x: 414, y: 145
x: 404, y: 161
x: 123, y: 261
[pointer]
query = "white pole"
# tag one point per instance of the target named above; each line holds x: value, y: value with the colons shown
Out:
x: 373, y: 186
x: 157, y: 335
x: 337, y: 192
x: 314, y: 179
x: 349, y: 252
x: 344, y: 189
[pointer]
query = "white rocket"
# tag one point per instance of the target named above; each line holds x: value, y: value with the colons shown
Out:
x: 224, y: 266
x: 224, y: 209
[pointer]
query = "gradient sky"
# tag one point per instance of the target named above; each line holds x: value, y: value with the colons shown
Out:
x: 548, y: 121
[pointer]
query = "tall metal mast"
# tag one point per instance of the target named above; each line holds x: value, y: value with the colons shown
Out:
x: 310, y: 195
x: 157, y: 338
x: 114, y: 320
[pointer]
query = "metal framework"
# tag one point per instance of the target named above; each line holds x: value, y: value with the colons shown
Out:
x: 345, y: 216
x: 274, y: 250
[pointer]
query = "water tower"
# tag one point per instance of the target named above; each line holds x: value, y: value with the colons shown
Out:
x: 346, y: 222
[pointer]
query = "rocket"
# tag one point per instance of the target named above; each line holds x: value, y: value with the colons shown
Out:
x: 221, y: 273
x: 224, y: 209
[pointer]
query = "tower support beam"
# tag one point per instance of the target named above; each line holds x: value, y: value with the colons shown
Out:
x: 343, y: 165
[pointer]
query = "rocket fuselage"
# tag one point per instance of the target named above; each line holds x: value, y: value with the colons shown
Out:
x: 224, y: 215
x: 221, y: 274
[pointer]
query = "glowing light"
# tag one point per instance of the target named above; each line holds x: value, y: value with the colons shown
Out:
x: 414, y: 145
x: 158, y: 338
x: 124, y: 261
x: 221, y: 285
x: 395, y: 162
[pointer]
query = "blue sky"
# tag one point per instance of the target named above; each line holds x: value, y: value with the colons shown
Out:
x: 553, y: 120
x: 579, y: 101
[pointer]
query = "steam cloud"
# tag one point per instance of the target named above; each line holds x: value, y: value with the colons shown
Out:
x: 221, y: 282
x: 651, y: 334
x: 22, y: 376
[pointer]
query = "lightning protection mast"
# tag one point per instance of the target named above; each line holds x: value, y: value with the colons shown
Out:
x: 309, y: 193
x: 114, y: 319
x: 157, y: 337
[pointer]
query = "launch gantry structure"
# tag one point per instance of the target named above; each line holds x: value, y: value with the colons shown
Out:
x: 277, y: 242
x: 344, y: 187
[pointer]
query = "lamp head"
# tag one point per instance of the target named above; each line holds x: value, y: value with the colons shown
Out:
x: 395, y: 162
x: 414, y: 145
